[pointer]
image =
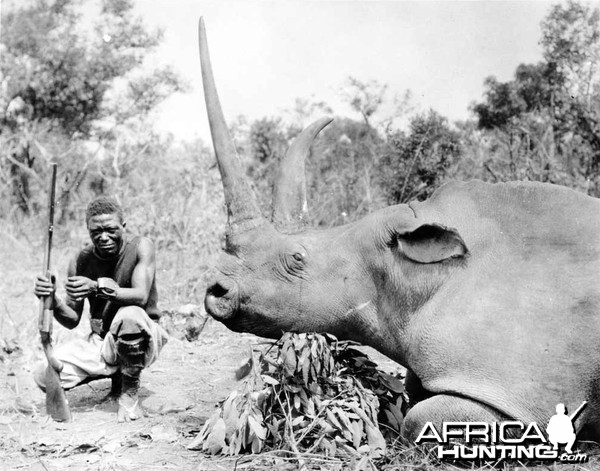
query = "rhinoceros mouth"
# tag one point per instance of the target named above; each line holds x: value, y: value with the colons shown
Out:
x: 224, y: 304
x: 253, y: 323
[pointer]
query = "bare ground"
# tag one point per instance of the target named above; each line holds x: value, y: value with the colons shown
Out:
x: 178, y: 393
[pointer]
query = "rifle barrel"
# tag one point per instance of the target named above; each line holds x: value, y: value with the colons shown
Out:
x: 51, y: 198
x: 46, y: 315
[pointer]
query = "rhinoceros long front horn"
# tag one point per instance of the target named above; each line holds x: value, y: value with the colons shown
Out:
x: 243, y: 212
x: 289, y: 192
x: 290, y: 209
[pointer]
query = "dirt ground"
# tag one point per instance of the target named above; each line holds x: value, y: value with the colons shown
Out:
x: 178, y: 393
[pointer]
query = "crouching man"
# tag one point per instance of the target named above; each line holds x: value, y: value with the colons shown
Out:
x: 116, y: 274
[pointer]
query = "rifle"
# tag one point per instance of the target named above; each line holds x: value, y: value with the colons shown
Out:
x: 56, y: 401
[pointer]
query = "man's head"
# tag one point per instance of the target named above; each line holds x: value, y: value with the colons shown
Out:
x: 104, y: 219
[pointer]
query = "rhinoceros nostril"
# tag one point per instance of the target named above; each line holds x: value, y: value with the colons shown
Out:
x: 217, y: 290
x: 221, y: 300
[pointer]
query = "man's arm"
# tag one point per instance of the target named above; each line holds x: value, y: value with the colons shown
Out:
x: 66, y: 313
x: 141, y: 279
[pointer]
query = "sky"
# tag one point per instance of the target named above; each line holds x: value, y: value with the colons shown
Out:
x: 265, y: 54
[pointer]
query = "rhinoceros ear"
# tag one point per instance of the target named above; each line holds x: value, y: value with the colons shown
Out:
x: 431, y: 243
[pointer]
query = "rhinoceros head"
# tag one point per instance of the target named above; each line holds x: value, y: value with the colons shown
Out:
x: 278, y: 275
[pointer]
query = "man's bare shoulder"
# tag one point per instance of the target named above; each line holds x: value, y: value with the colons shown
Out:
x: 145, y: 247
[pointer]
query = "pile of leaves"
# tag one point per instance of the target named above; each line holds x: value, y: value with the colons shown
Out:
x: 309, y: 393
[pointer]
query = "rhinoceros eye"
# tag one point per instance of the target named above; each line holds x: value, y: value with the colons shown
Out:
x: 293, y: 264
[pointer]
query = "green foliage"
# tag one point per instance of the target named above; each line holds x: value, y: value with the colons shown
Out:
x: 506, y: 103
x: 312, y: 394
x: 74, y: 96
x: 543, y: 126
x: 365, y: 98
x: 571, y: 41
x: 268, y: 141
x: 545, y: 123
x: 63, y: 73
x: 261, y: 144
x: 342, y: 173
x: 378, y: 106
x: 421, y: 159
x: 341, y: 168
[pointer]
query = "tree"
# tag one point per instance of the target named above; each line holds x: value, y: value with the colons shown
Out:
x: 505, y: 103
x: 372, y: 98
x: 421, y: 159
x: 364, y: 97
x: 58, y: 80
x: 547, y: 119
x: 571, y: 41
x: 342, y: 168
x: 268, y: 140
x: 517, y: 116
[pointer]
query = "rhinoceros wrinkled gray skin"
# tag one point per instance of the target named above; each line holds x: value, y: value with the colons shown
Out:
x: 489, y: 294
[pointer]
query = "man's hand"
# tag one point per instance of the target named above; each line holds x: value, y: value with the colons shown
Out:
x: 44, y: 286
x: 80, y: 287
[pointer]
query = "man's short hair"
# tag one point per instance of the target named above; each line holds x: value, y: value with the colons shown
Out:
x: 103, y: 205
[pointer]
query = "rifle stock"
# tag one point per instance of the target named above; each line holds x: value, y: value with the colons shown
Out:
x: 56, y: 401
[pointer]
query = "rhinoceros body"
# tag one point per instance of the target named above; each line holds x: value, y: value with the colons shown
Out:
x: 516, y: 326
x: 489, y: 294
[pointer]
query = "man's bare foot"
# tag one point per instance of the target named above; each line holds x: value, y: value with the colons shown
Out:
x: 129, y: 408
